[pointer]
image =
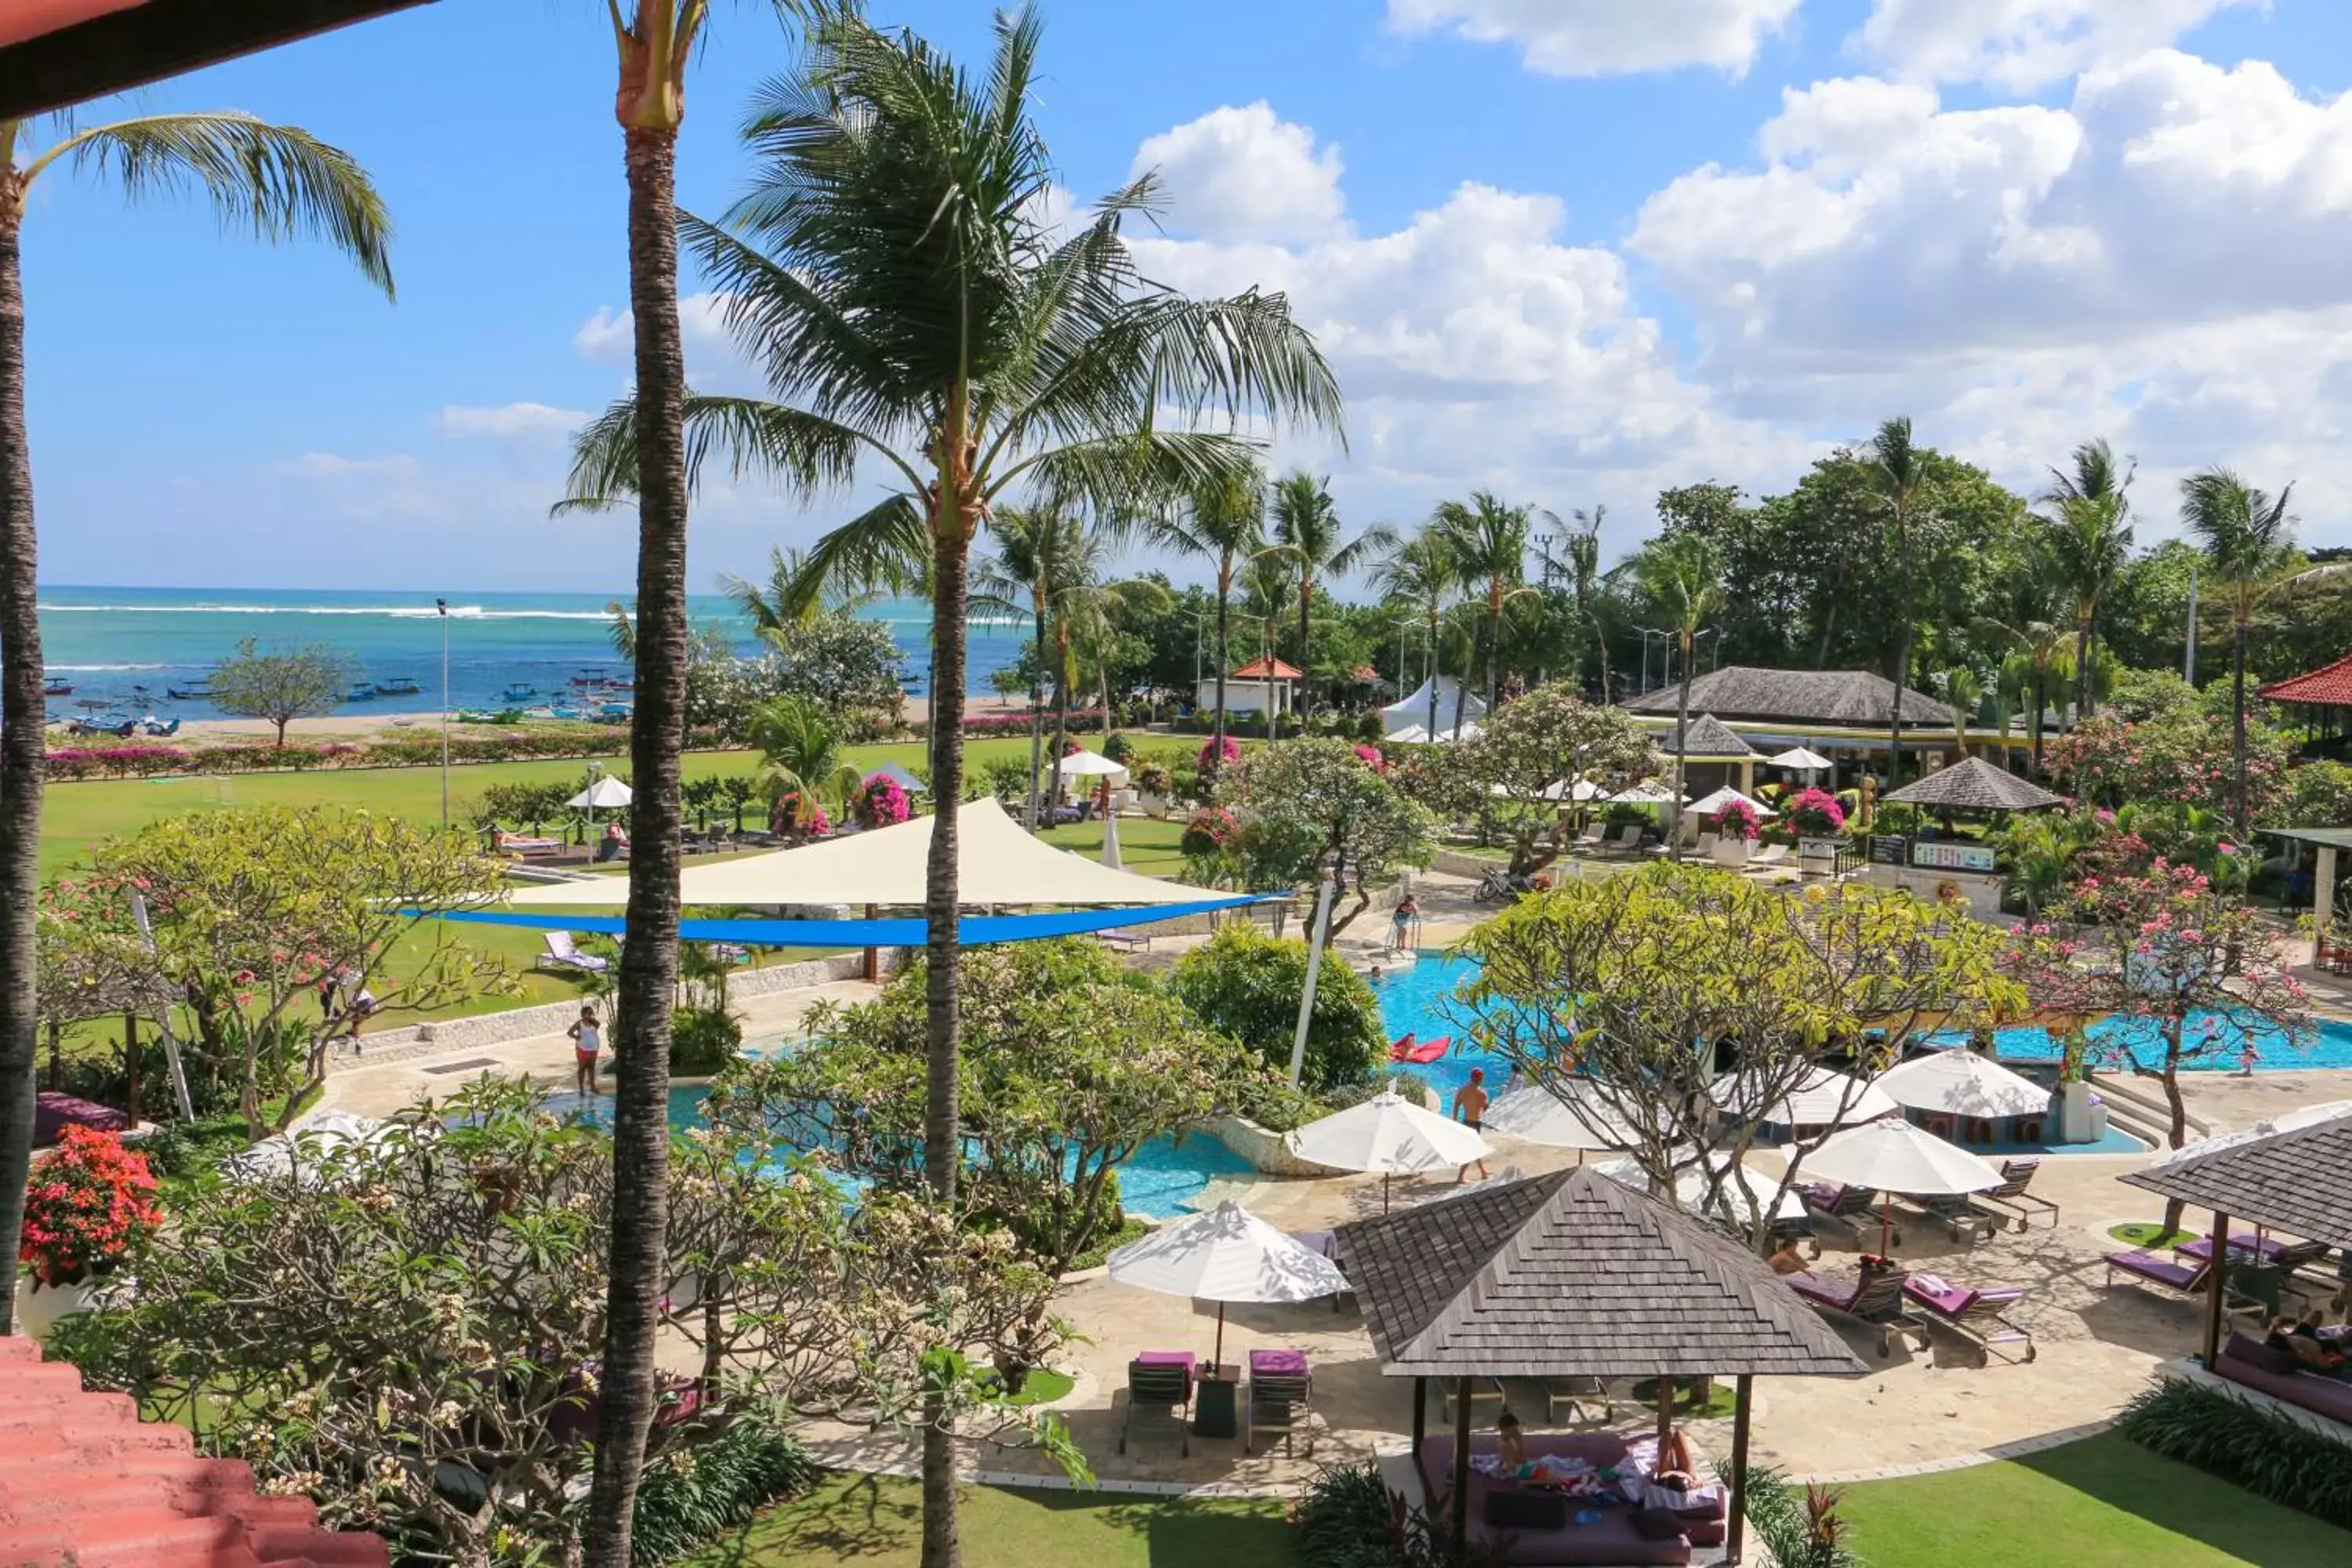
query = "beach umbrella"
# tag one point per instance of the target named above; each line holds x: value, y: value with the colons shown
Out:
x: 1389, y: 1135
x: 1960, y: 1082
x: 1110, y: 856
x: 1709, y: 804
x: 1090, y: 765
x: 1823, y: 1097
x: 1649, y: 791
x: 607, y: 794
x: 1226, y: 1254
x: 1690, y: 1190
x: 1570, y: 1117
x: 902, y: 778
x: 1800, y: 758
x: 1894, y: 1156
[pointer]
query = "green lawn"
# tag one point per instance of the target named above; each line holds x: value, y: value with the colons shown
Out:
x: 876, y: 1522
x: 2100, y: 1503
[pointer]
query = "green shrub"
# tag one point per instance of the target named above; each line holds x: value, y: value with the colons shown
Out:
x: 1273, y: 1104
x: 1248, y: 984
x: 693, y: 1492
x: 2268, y: 1454
x: 702, y: 1041
x: 1343, y: 1519
x: 1799, y: 1525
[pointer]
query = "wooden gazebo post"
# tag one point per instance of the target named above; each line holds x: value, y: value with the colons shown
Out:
x: 1460, y: 1465
x: 1736, y: 1520
x: 2217, y: 1287
x: 1420, y: 1413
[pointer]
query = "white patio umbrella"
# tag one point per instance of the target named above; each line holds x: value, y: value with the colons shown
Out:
x: 1389, y: 1135
x: 607, y: 794
x: 1226, y: 1254
x: 1960, y: 1082
x: 1690, y: 1189
x: 1894, y: 1156
x: 1542, y: 1116
x: 1110, y: 856
x: 1090, y: 765
x: 1649, y: 791
x: 1800, y: 758
x: 1823, y: 1097
x: 1709, y: 804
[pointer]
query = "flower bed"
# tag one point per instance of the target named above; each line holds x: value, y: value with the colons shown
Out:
x: 89, y: 1201
x: 69, y: 763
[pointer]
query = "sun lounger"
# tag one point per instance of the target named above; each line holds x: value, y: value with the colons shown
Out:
x: 1978, y: 1314
x: 1771, y: 855
x: 1126, y: 940
x: 1850, y: 1210
x: 1962, y: 1219
x: 1877, y: 1302
x: 1626, y: 841
x: 1594, y: 837
x: 2011, y: 1200
x: 563, y: 952
x: 2154, y: 1268
x: 1160, y: 1390
x: 1281, y: 1394
x: 527, y: 846
x: 1408, y: 1049
x: 1579, y: 1394
x: 1483, y: 1391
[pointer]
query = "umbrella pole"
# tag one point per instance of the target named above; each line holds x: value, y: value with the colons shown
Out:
x: 1217, y: 1356
x: 1887, y: 1225
x: 1384, y: 1192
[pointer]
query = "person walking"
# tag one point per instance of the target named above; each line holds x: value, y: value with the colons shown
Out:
x: 1470, y: 1109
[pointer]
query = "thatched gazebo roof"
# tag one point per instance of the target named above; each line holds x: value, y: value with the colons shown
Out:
x: 1974, y: 785
x: 1856, y: 699
x: 2298, y: 1181
x: 1710, y: 740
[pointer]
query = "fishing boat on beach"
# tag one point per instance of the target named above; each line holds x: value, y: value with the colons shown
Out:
x: 400, y: 686
x: 519, y: 690
x: 57, y: 686
x: 197, y: 693
x: 360, y: 691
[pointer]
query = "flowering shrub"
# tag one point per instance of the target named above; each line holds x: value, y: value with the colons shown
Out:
x: 1736, y: 821
x: 881, y: 801
x: 1372, y: 758
x: 1815, y: 811
x: 1211, y: 831
x: 1153, y: 778
x: 89, y: 1202
x: 1211, y: 758
x: 797, y: 816
x: 2181, y: 757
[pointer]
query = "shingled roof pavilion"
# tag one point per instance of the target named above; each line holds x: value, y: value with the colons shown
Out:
x: 1574, y: 1274
x: 1974, y: 785
x: 54, y: 52
x: 1849, y: 698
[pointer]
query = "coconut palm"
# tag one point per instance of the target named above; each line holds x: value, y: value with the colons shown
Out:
x: 1420, y: 571
x: 1964, y: 693
x: 1897, y: 472
x: 1021, y: 572
x: 2089, y: 539
x: 892, y: 273
x: 2250, y: 555
x: 2041, y: 645
x: 1489, y: 542
x: 782, y: 601
x: 1267, y: 582
x: 1681, y: 576
x: 1307, y: 531
x: 799, y: 747
x: 276, y: 181
x: 1222, y: 522
x: 1584, y: 575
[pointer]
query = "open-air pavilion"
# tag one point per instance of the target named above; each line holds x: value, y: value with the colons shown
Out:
x: 2328, y: 842
x: 1976, y: 786
x: 1565, y: 1277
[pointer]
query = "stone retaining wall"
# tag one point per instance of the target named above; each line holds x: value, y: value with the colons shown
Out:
x: 1456, y: 863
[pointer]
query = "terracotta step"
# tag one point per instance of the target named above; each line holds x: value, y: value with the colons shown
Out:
x: 43, y: 1410
x: 321, y: 1549
x: 89, y: 1442
x: 17, y: 1347
x: 31, y: 1383
x: 150, y: 1538
x: 181, y: 1482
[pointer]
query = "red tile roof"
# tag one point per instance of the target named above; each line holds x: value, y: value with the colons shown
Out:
x: 2328, y: 686
x: 1258, y: 670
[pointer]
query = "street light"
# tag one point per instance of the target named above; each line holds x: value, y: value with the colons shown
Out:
x: 441, y: 608
x: 1647, y: 633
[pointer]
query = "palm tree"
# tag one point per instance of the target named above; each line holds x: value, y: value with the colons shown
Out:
x: 1222, y: 522
x: 1964, y: 692
x: 1584, y: 572
x: 1898, y: 470
x: 280, y: 183
x: 2249, y: 541
x: 798, y: 744
x: 1682, y: 578
x: 1420, y: 569
x: 2089, y: 540
x: 780, y: 602
x: 2041, y: 644
x: 1307, y: 531
x: 1022, y: 567
x: 891, y: 272
x: 1489, y: 542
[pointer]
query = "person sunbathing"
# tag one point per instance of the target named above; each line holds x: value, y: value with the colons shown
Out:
x: 2302, y: 1342
x: 1786, y: 1259
x: 1510, y: 1443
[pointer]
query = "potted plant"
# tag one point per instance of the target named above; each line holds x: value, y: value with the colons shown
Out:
x: 1154, y: 785
x: 88, y: 1201
x: 1735, y: 828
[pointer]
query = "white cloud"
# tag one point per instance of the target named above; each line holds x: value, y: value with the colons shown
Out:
x: 713, y: 364
x: 2021, y: 45
x: 1242, y: 173
x: 1608, y: 38
x: 509, y: 420
x: 335, y: 466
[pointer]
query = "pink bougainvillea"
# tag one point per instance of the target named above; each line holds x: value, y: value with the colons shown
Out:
x: 1816, y: 812
x: 1736, y: 820
x: 1211, y: 831
x: 881, y: 802
x: 1211, y: 757
x: 1372, y: 758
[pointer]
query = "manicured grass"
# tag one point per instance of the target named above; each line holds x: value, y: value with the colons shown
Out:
x: 1146, y: 847
x: 1720, y: 1399
x: 2149, y: 1235
x: 2100, y: 1503
x: 876, y: 1522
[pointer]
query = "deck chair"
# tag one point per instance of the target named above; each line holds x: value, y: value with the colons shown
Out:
x: 1281, y: 1399
x: 563, y: 952
x: 1123, y: 938
x: 2011, y: 1200
x: 1848, y: 1210
x: 1877, y: 1302
x: 1626, y: 841
x: 1978, y: 1315
x: 1159, y: 1391
x: 1594, y: 837
x: 1580, y: 1395
x: 1962, y: 1219
x: 1771, y: 855
x: 2168, y: 1274
x: 1483, y: 1391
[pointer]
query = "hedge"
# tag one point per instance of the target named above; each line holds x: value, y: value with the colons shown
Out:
x: 2272, y: 1456
x: 403, y: 750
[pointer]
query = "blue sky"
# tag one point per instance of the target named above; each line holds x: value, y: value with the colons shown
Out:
x: 1570, y: 250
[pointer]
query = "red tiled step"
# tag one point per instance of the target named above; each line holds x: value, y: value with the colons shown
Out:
x: 151, y: 1538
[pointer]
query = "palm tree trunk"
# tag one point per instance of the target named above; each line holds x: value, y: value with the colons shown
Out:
x: 2238, y: 716
x: 1306, y: 663
x: 1682, y: 750
x: 2041, y: 697
x: 640, y: 1240
x: 1224, y: 618
x: 2082, y: 669
x: 1063, y: 675
x: 22, y: 761
x: 1036, y: 717
x: 1493, y: 646
x: 1429, y: 674
x: 1894, y: 725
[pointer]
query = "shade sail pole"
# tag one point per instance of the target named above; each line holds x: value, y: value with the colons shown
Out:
x: 1315, y: 933
x: 1735, y: 1527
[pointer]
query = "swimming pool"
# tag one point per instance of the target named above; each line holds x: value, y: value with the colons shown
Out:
x: 1416, y: 1000
x: 1159, y: 1183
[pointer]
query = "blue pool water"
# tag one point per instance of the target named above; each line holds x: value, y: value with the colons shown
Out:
x: 2330, y: 1047
x: 1417, y: 999
x: 1164, y: 1177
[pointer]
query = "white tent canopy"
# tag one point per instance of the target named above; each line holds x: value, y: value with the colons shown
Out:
x: 1538, y: 1115
x: 1820, y: 1099
x: 1090, y: 765
x: 607, y: 794
x: 1412, y: 712
x: 1959, y: 1082
x: 1801, y: 758
x: 1226, y: 1254
x: 997, y: 862
x: 1708, y: 805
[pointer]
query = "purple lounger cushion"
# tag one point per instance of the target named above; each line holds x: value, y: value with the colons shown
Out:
x: 2150, y: 1266
x: 1278, y: 1363
x: 2202, y: 1248
x: 1184, y: 1359
x: 54, y: 1113
x: 1835, y: 1291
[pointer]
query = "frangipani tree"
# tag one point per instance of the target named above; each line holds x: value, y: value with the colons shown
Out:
x: 279, y: 182
x: 1552, y: 736
x: 1300, y: 804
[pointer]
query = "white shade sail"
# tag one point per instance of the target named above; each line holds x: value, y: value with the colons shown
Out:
x: 1709, y: 804
x: 1090, y: 765
x: 607, y: 794
x: 1389, y: 1135
x: 1649, y: 791
x: 1690, y: 1190
x: 1226, y: 1254
x: 1799, y: 757
x: 1820, y: 1099
x: 1894, y: 1156
x: 1570, y: 1118
x: 1412, y: 713
x: 997, y: 863
x: 1963, y: 1083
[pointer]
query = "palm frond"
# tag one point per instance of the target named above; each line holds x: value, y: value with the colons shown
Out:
x: 801, y: 451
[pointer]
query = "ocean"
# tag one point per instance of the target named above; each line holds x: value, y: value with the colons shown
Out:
x: 122, y: 650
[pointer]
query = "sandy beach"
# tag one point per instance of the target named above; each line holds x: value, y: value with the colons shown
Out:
x: 363, y: 724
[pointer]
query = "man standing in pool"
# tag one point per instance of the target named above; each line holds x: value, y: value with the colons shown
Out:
x: 1470, y: 1109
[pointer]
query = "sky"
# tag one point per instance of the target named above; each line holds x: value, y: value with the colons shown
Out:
x: 1572, y: 251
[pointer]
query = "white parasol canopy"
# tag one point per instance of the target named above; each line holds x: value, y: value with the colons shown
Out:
x: 1110, y: 854
x: 1801, y: 758
x: 1690, y: 1189
x: 1894, y: 1156
x: 1960, y: 1082
x: 902, y: 778
x: 1538, y: 1115
x: 1226, y: 1254
x: 1649, y: 791
x: 607, y: 794
x: 1412, y: 713
x: 1389, y: 1135
x: 2269, y: 1127
x: 1090, y: 765
x: 295, y: 1152
x: 1723, y: 797
x: 1821, y: 1097
x: 997, y: 863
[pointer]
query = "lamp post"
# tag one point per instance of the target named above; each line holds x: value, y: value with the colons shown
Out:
x: 441, y: 608
x: 1647, y: 633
